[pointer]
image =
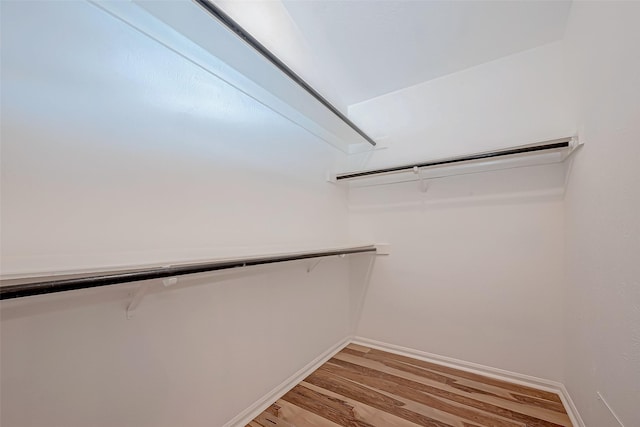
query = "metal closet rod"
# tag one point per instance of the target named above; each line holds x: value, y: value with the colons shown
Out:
x: 547, y: 145
x: 217, y: 13
x: 99, y: 279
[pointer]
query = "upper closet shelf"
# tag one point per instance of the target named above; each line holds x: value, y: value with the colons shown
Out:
x: 54, y: 283
x: 203, y: 34
x: 546, y: 152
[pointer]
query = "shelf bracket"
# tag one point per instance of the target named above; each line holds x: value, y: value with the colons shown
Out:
x: 137, y: 299
x: 424, y: 185
x: 313, y: 265
x: 142, y: 292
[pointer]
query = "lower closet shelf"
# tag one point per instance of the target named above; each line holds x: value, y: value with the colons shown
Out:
x: 361, y: 386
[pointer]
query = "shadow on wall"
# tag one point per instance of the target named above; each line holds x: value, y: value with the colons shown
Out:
x: 476, y: 267
x: 211, y: 346
x: 519, y: 185
x: 122, y: 294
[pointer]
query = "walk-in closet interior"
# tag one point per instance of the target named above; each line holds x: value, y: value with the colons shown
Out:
x: 299, y: 213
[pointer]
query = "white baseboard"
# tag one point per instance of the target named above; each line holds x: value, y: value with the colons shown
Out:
x: 488, y: 371
x: 243, y: 418
x: 571, y: 407
x: 263, y: 403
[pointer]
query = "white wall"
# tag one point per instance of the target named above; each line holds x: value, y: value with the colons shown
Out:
x: 483, y: 277
x: 475, y: 270
x: 116, y: 151
x: 114, y: 145
x: 603, y: 214
x: 196, y: 355
x: 514, y: 100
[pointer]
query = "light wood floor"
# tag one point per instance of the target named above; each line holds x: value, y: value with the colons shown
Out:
x: 365, y: 387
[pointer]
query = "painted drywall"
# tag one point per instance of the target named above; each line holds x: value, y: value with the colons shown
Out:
x: 352, y: 51
x: 197, y: 355
x: 475, y: 270
x: 475, y: 265
x: 511, y: 101
x: 116, y: 151
x: 603, y: 215
x: 477, y: 261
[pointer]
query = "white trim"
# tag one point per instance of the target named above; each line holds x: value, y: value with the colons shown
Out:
x: 243, y: 418
x: 571, y: 407
x: 603, y: 400
x: 488, y: 371
x: 263, y: 403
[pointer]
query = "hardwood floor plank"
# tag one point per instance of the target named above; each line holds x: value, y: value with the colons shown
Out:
x: 370, y: 397
x: 384, y: 419
x: 338, y: 412
x: 300, y: 417
x: 363, y: 411
x: 339, y: 405
x: 374, y: 354
x: 425, y: 410
x: 540, y: 403
x: 268, y: 420
x: 456, y: 413
x: 415, y: 395
x: 357, y: 347
x: 376, y: 379
x: 348, y: 350
x: 507, y: 402
x: 472, y: 386
x: 273, y: 409
x: 463, y: 384
x: 364, y: 387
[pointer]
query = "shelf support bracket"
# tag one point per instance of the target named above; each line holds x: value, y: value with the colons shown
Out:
x: 313, y: 265
x: 142, y: 292
x: 424, y: 185
x: 137, y: 299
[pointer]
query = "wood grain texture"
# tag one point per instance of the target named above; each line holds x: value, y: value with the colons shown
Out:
x: 363, y: 387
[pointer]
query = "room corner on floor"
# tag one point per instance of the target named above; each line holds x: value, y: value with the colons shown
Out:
x: 283, y: 213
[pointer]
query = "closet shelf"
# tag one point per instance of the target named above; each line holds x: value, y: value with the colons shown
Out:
x: 28, y: 286
x: 236, y: 28
x: 546, y: 152
x: 202, y: 33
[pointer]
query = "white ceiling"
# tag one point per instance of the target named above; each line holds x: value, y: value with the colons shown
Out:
x: 352, y: 51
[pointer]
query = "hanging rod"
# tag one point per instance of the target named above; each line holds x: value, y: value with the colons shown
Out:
x: 106, y: 278
x: 542, y: 146
x: 232, y: 25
